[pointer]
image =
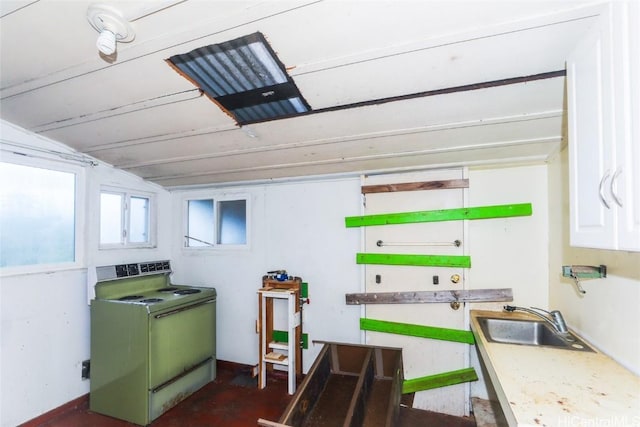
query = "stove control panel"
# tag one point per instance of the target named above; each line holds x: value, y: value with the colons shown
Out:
x: 121, y: 271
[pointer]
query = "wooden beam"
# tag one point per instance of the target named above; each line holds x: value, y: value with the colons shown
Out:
x: 432, y: 332
x: 439, y: 380
x: 443, y: 91
x: 479, y: 212
x: 415, y: 186
x: 463, y: 261
x: 421, y: 297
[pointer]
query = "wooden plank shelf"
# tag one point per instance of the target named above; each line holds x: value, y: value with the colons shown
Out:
x: 415, y: 186
x: 276, y: 358
x: 471, y: 213
x: 278, y: 345
x: 422, y: 297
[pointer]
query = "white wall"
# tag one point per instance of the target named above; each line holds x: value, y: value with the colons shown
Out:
x: 297, y: 226
x: 45, y: 316
x: 607, y: 315
x: 508, y: 252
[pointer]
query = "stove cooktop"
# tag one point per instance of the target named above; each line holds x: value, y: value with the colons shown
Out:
x: 149, y: 298
x: 187, y: 291
x: 130, y: 298
x: 164, y: 297
x: 158, y: 302
x: 143, y: 287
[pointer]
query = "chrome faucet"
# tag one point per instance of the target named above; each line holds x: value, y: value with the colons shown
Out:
x: 554, y: 318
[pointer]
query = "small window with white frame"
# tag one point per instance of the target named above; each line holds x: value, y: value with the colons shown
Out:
x: 219, y: 222
x: 126, y: 219
x: 39, y: 220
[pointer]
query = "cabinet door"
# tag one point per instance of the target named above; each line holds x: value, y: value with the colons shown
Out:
x: 590, y: 113
x: 626, y: 186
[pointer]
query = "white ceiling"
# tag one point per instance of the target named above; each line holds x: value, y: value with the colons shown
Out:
x: 136, y: 113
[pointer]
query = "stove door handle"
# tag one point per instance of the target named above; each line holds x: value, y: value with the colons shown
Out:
x: 181, y: 309
x: 183, y: 374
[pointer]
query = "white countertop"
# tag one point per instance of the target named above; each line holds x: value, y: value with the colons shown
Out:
x: 541, y: 386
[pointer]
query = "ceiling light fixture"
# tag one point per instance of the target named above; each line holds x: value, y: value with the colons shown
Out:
x: 111, y: 25
x: 106, y: 42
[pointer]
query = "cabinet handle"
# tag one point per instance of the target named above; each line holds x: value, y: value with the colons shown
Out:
x: 613, y: 187
x: 602, y: 198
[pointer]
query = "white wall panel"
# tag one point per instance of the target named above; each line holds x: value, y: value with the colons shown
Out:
x: 297, y: 226
x: 509, y: 252
x: 607, y: 314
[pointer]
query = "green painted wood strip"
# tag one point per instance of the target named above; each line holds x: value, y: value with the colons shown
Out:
x: 463, y: 261
x: 436, y: 333
x: 439, y: 380
x: 283, y: 336
x: 479, y: 212
x: 304, y: 290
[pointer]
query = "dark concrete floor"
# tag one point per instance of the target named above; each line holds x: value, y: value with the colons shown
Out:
x: 231, y: 400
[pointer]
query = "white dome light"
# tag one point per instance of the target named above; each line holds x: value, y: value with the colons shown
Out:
x: 111, y: 25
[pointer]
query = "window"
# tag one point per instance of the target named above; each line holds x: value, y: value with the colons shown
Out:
x: 125, y: 219
x: 245, y: 77
x: 200, y: 223
x: 211, y: 223
x: 139, y: 219
x: 232, y: 225
x: 37, y: 215
x: 111, y: 218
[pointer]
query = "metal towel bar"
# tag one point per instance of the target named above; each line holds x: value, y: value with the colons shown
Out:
x: 455, y: 243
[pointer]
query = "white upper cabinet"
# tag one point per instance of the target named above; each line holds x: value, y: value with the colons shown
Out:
x: 603, y: 88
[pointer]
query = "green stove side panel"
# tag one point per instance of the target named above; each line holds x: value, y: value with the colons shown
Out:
x: 119, y: 351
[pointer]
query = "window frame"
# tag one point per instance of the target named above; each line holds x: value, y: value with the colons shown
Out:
x: 80, y: 181
x: 216, y: 198
x: 127, y: 194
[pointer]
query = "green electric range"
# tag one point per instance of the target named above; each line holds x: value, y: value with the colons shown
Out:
x: 153, y: 343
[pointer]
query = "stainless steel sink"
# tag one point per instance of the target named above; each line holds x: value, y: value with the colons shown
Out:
x: 529, y: 332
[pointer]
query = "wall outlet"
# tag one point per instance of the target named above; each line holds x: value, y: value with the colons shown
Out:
x: 86, y: 369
